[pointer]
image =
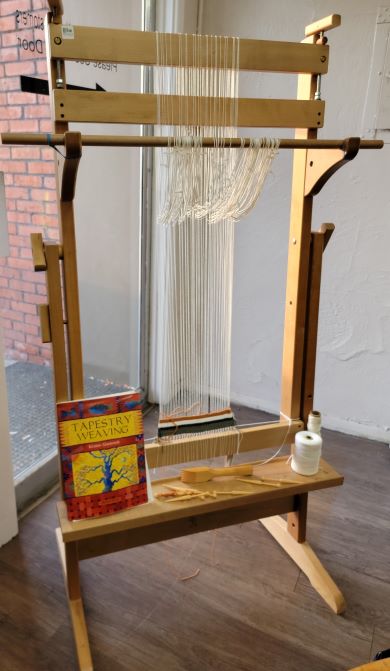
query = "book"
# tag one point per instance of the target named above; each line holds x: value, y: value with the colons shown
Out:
x: 102, y: 454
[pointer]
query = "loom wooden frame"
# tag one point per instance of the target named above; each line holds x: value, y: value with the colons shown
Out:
x: 60, y: 318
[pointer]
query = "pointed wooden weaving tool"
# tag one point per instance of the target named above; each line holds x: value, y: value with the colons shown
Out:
x: 204, y: 474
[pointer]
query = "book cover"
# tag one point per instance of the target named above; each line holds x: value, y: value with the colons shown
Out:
x: 102, y: 454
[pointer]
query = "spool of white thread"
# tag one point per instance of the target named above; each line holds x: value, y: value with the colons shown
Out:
x: 314, y: 422
x: 306, y: 453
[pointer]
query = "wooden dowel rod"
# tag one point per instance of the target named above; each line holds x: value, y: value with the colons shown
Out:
x: 155, y: 141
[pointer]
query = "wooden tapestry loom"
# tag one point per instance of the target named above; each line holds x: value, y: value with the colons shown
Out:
x: 314, y: 163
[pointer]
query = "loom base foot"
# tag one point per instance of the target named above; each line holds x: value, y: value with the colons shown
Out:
x: 303, y: 555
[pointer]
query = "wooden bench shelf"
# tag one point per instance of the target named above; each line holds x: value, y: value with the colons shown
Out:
x: 160, y: 520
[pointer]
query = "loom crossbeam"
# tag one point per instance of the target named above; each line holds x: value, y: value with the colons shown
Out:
x: 59, y: 139
x: 315, y: 161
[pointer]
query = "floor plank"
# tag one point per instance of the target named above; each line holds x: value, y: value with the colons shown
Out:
x: 249, y: 608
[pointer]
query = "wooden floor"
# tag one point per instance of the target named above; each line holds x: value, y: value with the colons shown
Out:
x: 248, y: 609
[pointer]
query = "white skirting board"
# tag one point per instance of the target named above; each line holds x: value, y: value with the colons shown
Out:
x: 8, y: 518
x: 346, y: 425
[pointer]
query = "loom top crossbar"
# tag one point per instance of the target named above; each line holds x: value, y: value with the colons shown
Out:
x: 139, y: 48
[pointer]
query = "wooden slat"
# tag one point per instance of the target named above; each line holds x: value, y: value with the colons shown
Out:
x: 44, y: 318
x: 165, y: 530
x: 71, y: 296
x: 150, y: 515
x: 38, y: 252
x: 311, y: 328
x: 318, y: 243
x: 67, y: 174
x: 53, y: 66
x: 136, y: 108
x: 53, y: 280
x: 138, y: 47
x: 322, y: 25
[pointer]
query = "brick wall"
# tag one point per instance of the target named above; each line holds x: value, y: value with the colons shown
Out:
x: 29, y: 178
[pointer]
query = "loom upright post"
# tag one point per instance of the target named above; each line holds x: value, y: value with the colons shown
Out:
x: 298, y: 266
x: 296, y: 291
x: 300, y: 331
x: 60, y: 322
x: 66, y: 173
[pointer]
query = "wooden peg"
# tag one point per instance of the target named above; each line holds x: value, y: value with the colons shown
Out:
x: 45, y: 322
x: 320, y: 166
x: 38, y: 251
x: 70, y: 165
x: 55, y: 297
x: 327, y: 231
x: 322, y: 25
x: 57, y: 10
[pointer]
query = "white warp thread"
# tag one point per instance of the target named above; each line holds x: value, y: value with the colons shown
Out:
x: 202, y: 193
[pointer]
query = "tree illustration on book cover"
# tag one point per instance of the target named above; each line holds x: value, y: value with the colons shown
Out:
x: 102, y: 454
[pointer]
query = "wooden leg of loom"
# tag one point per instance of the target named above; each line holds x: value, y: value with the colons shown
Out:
x: 70, y: 565
x: 308, y: 562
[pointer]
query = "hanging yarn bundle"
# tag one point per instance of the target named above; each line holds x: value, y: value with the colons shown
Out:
x: 202, y: 193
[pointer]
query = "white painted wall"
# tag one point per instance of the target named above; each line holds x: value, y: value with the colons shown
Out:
x: 353, y: 373
x: 107, y: 210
